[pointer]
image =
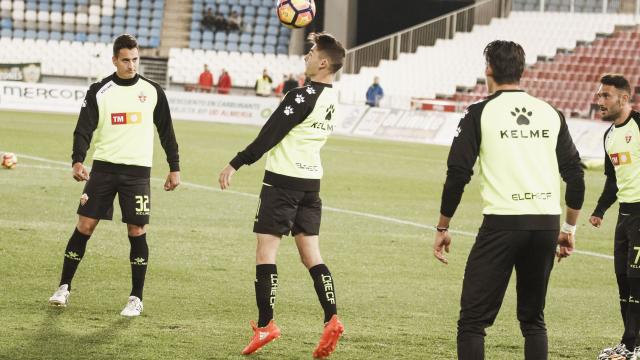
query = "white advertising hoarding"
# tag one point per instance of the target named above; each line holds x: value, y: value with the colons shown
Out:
x: 248, y: 110
x: 429, y: 127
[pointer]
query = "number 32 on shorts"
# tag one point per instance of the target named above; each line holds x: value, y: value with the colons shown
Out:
x: 143, y: 204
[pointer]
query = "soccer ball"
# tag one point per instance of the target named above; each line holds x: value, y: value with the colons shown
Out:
x: 9, y: 160
x: 296, y: 13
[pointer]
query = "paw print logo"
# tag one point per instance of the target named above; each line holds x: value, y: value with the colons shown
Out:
x: 299, y: 99
x: 330, y: 111
x: 310, y: 90
x: 288, y: 110
x: 522, y: 116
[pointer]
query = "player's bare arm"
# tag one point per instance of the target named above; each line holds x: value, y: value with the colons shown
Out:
x: 224, y: 179
x: 442, y: 239
x: 173, y: 180
x: 80, y: 172
x: 595, y: 221
x: 567, y: 235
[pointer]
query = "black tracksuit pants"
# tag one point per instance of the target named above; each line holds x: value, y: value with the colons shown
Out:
x: 491, y: 261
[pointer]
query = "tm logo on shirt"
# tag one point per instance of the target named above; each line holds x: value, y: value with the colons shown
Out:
x: 126, y: 118
x: 623, y: 158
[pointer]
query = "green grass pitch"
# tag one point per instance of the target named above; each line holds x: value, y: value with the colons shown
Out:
x: 396, y: 300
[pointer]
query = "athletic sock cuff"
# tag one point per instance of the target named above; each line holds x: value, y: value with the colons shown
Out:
x: 318, y: 270
x: 266, y: 270
x: 138, y: 238
x: 80, y: 236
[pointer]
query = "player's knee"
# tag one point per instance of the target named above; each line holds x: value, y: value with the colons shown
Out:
x: 533, y: 327
x: 310, y: 261
x: 86, y: 227
x: 135, y: 230
x: 469, y: 330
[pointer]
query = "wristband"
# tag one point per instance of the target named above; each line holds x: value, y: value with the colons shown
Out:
x: 568, y: 229
x: 441, y: 229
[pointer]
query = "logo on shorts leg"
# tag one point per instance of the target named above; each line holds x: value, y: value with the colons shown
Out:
x: 83, y: 199
x: 143, y: 204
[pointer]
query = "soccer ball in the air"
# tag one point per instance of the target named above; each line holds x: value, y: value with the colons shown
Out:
x: 9, y: 160
x: 296, y: 13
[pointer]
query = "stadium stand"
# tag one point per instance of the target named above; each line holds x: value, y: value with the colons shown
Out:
x: 244, y: 68
x: 81, y: 31
x: 260, y: 32
x: 570, y: 79
x: 59, y: 57
x: 82, y: 20
x: 581, y: 6
x: 439, y: 69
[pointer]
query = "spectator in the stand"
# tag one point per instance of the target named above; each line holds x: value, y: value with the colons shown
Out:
x: 263, y: 84
x: 208, y: 20
x: 374, y: 93
x: 280, y: 86
x: 248, y: 28
x: 235, y: 22
x: 224, y: 82
x: 205, y: 82
x: 290, y: 84
x: 219, y: 22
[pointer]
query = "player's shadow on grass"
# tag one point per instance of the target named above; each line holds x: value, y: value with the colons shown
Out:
x: 50, y: 342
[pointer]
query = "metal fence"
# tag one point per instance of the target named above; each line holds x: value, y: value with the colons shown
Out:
x: 425, y: 34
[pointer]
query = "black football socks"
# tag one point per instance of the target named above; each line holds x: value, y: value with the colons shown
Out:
x: 139, y: 256
x: 266, y: 287
x: 323, y: 282
x: 73, y: 255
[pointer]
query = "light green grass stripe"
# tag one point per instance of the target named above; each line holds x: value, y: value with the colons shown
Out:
x: 329, y: 208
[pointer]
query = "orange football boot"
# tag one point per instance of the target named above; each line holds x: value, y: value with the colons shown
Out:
x: 329, y: 339
x: 261, y: 337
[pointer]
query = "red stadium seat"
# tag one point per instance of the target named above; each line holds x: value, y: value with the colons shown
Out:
x: 570, y: 81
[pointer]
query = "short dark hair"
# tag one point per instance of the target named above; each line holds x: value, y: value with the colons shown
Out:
x: 331, y: 47
x: 506, y: 59
x: 618, y: 81
x: 124, y: 41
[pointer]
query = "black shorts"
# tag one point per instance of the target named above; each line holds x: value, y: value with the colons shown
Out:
x: 134, y: 195
x: 626, y: 251
x: 283, y: 212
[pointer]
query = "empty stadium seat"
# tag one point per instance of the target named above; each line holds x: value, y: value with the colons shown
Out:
x: 450, y: 63
x: 233, y: 37
x: 256, y: 48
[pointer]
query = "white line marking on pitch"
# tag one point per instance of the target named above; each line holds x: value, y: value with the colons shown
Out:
x: 338, y: 210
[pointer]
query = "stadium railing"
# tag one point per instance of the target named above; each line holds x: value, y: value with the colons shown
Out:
x: 425, y: 34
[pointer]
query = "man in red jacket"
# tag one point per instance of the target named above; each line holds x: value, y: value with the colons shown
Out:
x: 205, y: 82
x: 224, y: 82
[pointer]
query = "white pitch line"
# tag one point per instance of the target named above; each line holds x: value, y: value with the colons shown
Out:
x: 329, y: 208
x: 391, y: 156
x: 43, y: 167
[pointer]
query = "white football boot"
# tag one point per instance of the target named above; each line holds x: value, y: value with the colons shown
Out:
x: 618, y: 352
x: 60, y: 297
x: 133, y: 308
